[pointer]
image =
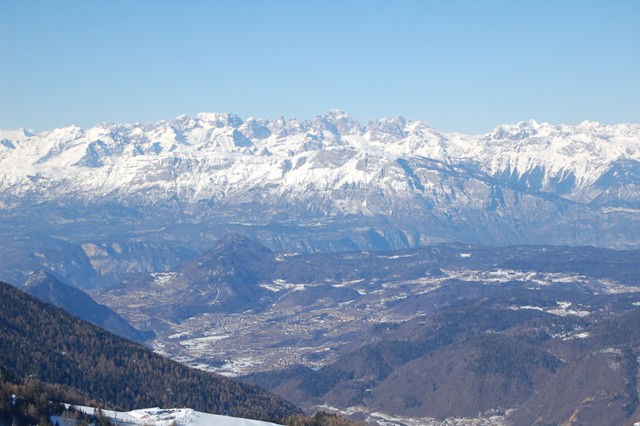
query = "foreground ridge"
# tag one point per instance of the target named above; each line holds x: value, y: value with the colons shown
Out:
x: 44, y: 343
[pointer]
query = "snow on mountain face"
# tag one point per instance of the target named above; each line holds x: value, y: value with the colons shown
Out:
x: 576, y: 154
x: 213, y: 155
x: 329, y: 167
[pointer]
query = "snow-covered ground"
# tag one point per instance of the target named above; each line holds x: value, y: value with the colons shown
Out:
x: 384, y: 419
x: 165, y: 417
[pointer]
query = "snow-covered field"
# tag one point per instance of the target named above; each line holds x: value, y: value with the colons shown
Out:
x: 384, y: 419
x: 165, y: 417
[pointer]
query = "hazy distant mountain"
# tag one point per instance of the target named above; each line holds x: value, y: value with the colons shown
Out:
x: 225, y: 278
x: 49, y: 289
x: 326, y: 184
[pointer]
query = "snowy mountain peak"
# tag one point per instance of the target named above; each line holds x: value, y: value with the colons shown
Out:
x: 589, y: 124
x: 66, y: 133
x: 518, y: 131
x: 220, y: 119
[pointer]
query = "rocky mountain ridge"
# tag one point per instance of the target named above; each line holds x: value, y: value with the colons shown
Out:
x: 152, y: 193
x: 215, y: 156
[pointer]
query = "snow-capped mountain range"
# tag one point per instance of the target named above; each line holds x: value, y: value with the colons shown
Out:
x: 220, y: 156
x: 334, y: 183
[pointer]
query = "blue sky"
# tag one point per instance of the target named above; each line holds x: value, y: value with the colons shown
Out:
x: 458, y: 65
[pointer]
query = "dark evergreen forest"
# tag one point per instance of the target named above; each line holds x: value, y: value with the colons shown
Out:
x: 45, y: 344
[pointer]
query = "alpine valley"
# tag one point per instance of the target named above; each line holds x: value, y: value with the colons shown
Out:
x: 446, y: 334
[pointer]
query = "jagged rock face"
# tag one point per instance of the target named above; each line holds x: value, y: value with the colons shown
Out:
x: 388, y: 184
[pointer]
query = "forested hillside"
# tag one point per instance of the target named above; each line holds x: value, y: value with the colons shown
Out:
x: 42, y: 342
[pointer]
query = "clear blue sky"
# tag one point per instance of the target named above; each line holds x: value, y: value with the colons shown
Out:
x: 458, y: 65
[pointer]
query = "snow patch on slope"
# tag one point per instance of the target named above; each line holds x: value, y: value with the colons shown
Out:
x: 165, y: 417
